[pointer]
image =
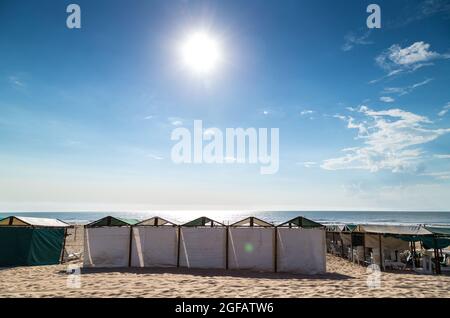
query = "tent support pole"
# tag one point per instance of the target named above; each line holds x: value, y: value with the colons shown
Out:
x: 436, y: 257
x: 364, y: 249
x: 178, y: 248
x: 275, y: 250
x: 64, y: 244
x: 351, y: 246
x: 381, y: 253
x: 226, y: 246
x: 130, y: 246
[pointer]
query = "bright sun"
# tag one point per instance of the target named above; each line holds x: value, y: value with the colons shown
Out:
x: 201, y: 53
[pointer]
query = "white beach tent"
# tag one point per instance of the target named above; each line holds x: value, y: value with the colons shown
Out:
x: 251, y: 245
x: 301, y: 247
x: 154, y: 243
x: 203, y: 244
x: 107, y: 242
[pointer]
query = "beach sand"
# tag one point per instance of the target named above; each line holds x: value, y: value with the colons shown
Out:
x: 343, y: 279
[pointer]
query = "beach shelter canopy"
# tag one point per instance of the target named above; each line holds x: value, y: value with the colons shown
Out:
x: 332, y: 228
x: 31, y: 241
x: 32, y: 221
x: 252, y: 221
x: 349, y: 227
x: 444, y: 231
x: 112, y: 221
x: 409, y: 230
x: 156, y: 221
x: 301, y: 221
x: 203, y: 221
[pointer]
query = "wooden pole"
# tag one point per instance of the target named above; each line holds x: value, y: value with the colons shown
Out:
x: 351, y: 246
x: 64, y: 245
x: 436, y: 257
x: 381, y: 252
x: 226, y: 246
x: 364, y: 249
x: 130, y: 247
x: 178, y: 248
x: 275, y: 250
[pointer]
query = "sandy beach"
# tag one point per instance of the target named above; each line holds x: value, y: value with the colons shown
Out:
x: 343, y: 279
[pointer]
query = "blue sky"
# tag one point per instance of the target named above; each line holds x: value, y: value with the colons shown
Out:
x: 86, y: 114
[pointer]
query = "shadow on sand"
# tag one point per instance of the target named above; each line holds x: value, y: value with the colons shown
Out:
x: 214, y: 273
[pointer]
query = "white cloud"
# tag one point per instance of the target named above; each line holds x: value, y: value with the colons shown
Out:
x: 341, y: 117
x: 352, y: 39
x: 444, y: 110
x: 155, y: 157
x: 16, y: 81
x: 272, y: 112
x: 443, y: 175
x: 442, y: 156
x: 175, y: 121
x: 307, y: 164
x: 396, y: 60
x: 391, y: 141
x: 400, y: 91
x: 306, y: 112
x: 387, y: 99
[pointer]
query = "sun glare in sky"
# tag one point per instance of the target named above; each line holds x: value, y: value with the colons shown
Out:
x: 201, y: 53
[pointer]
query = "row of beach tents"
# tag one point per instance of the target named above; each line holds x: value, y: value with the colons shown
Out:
x: 297, y: 245
x: 384, y: 243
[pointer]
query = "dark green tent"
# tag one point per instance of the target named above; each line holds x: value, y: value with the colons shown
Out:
x: 303, y: 222
x: 112, y: 221
x: 26, y: 241
x: 203, y: 221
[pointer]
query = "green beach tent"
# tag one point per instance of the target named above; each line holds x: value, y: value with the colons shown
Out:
x: 29, y: 241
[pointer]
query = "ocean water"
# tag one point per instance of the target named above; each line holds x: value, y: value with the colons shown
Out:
x: 276, y: 217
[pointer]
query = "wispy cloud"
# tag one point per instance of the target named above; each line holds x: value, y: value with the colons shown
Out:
x: 442, y: 156
x: 175, y: 121
x: 442, y: 175
x: 400, y: 91
x: 307, y: 164
x: 396, y: 60
x: 16, y: 81
x: 272, y: 112
x: 351, y: 40
x: 154, y: 157
x: 444, y: 110
x: 387, y: 99
x: 391, y: 141
x: 307, y: 113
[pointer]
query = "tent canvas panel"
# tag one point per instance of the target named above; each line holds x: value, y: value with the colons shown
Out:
x: 203, y: 247
x: 346, y: 239
x: 46, y: 246
x: 154, y: 246
x: 106, y: 247
x: 30, y: 246
x: 301, y: 250
x: 251, y: 248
